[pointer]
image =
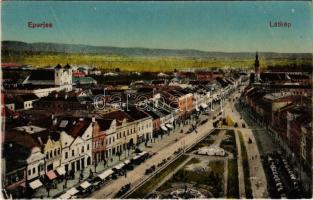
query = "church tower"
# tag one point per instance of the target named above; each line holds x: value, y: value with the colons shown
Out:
x: 58, y: 75
x: 256, y: 68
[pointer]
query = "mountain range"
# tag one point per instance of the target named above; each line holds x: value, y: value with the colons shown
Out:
x: 42, y: 47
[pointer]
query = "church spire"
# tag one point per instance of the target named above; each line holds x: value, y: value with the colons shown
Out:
x: 257, y: 68
x: 256, y: 64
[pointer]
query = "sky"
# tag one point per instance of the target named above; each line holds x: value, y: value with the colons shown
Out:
x: 209, y: 26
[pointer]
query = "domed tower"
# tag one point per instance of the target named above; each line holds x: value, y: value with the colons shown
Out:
x: 256, y: 68
x: 68, y: 74
x: 58, y: 74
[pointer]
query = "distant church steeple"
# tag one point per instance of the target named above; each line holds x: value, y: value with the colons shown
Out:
x: 257, y: 68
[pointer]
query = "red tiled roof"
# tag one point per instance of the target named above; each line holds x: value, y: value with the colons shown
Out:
x: 75, y: 126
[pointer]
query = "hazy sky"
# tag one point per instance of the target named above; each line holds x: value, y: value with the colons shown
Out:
x: 212, y: 26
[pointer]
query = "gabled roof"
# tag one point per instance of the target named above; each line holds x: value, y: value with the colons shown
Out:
x: 104, y: 124
x: 42, y: 137
x: 74, y: 126
x: 118, y: 115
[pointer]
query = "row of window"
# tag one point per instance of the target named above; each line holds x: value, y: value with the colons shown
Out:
x: 61, y: 74
x: 98, y: 143
x: 53, y: 153
x: 110, y: 140
x: 35, y: 170
x: 142, y: 127
x: 130, y: 131
x: 120, y: 135
x: 73, y: 151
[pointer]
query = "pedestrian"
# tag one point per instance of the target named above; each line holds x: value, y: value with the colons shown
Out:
x: 125, y: 174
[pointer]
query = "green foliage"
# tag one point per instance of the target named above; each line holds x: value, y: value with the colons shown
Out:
x: 206, y: 141
x: 146, y: 188
x: 232, y: 180
x: 212, y: 178
x: 152, y: 64
x: 246, y: 170
x: 230, y: 143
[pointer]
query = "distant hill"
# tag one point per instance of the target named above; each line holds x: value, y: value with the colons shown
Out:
x: 17, y: 46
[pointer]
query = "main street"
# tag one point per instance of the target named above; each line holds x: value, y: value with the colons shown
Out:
x: 163, y: 151
x: 166, y: 147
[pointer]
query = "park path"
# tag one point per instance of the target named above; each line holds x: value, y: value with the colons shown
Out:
x: 219, y: 138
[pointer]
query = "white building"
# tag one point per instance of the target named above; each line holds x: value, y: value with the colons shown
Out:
x: 76, y: 143
x: 60, y: 77
x: 35, y: 164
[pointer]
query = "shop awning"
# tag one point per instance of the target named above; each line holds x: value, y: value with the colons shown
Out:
x: 72, y: 191
x: 142, y: 153
x: 85, y: 185
x: 61, y: 171
x: 169, y: 126
x: 136, y: 157
x: 203, y: 105
x: 126, y: 162
x: 65, y: 196
x: 163, y: 128
x: 119, y: 166
x: 35, y: 184
x: 105, y: 174
x: 51, y: 175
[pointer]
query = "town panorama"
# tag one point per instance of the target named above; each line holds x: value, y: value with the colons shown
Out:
x: 151, y: 100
